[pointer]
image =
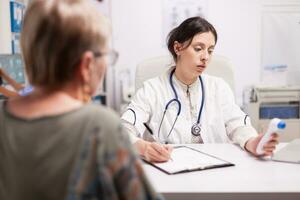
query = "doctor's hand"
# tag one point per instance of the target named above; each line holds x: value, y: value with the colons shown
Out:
x: 268, y: 148
x: 153, y: 151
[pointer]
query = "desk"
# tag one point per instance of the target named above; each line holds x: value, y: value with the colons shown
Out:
x: 250, y: 178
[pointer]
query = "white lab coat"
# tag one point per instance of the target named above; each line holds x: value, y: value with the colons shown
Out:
x: 221, y: 120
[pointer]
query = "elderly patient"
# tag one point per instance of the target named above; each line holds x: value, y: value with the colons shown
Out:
x: 53, y: 143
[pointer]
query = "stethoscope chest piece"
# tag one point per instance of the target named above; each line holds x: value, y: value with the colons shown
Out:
x: 196, y: 129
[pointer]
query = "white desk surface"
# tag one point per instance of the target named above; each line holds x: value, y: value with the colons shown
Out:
x: 250, y: 178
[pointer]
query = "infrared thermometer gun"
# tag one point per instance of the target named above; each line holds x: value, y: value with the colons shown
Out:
x: 275, y: 125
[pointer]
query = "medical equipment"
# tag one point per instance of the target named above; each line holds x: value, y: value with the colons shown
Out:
x: 134, y: 115
x: 266, y: 103
x: 275, y: 126
x: 196, y: 128
x: 289, y: 153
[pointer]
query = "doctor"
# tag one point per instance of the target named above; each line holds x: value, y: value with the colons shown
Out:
x: 185, y: 106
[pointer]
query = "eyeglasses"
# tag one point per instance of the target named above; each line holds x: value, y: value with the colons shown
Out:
x: 110, y: 56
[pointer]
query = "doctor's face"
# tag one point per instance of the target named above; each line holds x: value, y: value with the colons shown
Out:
x: 194, y: 59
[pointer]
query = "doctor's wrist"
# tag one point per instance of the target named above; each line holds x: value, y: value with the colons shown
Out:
x: 251, y: 145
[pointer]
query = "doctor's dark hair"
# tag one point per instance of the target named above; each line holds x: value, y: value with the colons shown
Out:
x: 186, y: 32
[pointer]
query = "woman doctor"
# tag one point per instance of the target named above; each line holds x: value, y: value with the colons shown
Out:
x: 183, y: 105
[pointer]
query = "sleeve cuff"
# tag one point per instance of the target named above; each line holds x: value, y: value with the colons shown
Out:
x: 242, y: 134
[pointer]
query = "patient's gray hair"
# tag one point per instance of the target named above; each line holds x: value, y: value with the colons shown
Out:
x: 55, y: 35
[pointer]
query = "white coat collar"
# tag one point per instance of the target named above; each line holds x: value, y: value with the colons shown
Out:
x: 182, y: 85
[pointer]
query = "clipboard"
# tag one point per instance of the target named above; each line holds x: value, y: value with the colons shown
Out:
x: 187, y: 159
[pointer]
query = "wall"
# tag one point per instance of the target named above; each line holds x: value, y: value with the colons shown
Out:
x: 137, y: 35
x: 137, y: 32
x: 281, y: 44
x: 239, y: 28
x: 5, y: 29
x: 5, y: 33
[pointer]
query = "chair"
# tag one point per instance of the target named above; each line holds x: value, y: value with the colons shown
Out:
x: 219, y: 66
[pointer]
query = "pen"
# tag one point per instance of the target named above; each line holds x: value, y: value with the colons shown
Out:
x: 151, y: 132
x: 148, y: 128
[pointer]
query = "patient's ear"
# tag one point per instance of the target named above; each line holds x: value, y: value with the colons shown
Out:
x: 85, y: 66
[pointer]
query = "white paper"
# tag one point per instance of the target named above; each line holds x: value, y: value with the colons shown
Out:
x: 184, y: 158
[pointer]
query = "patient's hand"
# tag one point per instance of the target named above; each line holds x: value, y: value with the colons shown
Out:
x: 153, y: 151
x: 268, y: 148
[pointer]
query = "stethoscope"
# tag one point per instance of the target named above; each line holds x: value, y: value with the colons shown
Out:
x: 134, y: 115
x: 196, y: 128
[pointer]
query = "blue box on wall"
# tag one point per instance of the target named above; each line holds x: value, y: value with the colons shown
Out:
x: 17, y: 10
x: 16, y: 16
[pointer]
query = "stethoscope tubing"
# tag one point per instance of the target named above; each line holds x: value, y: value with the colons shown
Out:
x: 176, y: 99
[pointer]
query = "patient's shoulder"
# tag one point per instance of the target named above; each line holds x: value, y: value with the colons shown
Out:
x: 101, y: 114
